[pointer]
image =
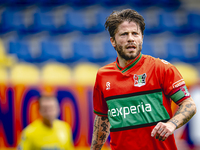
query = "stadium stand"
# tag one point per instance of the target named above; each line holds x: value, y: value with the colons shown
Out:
x: 175, y: 51
x: 188, y: 71
x: 5, y: 60
x: 64, y: 18
x: 193, y: 20
x: 56, y: 74
x: 175, y: 21
x: 50, y: 50
x: 24, y: 73
x: 21, y: 50
x: 3, y: 75
x: 85, y: 73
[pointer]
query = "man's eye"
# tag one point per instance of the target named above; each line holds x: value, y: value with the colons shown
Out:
x: 124, y: 34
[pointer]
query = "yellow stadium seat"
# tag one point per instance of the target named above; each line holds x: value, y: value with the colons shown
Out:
x: 56, y: 74
x: 3, y: 75
x: 5, y: 60
x: 85, y: 73
x: 189, y: 73
x: 25, y: 73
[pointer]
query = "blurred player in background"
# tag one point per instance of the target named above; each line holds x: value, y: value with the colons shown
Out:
x: 47, y: 132
x: 132, y: 96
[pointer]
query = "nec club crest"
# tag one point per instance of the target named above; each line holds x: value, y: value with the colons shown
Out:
x: 139, y: 80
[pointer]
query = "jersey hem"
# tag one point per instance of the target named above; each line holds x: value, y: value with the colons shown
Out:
x: 100, y: 114
x: 136, y: 126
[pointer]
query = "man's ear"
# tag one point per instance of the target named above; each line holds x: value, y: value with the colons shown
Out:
x: 142, y: 38
x: 112, y: 42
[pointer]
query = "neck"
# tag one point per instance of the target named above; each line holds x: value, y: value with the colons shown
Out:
x: 47, y: 123
x: 123, y: 63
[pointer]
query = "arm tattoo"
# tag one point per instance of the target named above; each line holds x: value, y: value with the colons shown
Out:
x: 105, y: 126
x: 100, y: 132
x: 186, y: 111
x: 174, y: 121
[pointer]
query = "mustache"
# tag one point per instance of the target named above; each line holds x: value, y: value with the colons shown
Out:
x: 130, y: 44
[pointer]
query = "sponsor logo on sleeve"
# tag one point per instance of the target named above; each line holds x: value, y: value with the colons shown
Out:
x: 178, y: 83
x: 164, y: 61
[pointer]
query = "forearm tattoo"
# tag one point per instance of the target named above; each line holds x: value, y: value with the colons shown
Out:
x: 187, y: 111
x: 100, y: 132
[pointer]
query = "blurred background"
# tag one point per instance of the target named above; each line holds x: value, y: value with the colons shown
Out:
x: 57, y: 46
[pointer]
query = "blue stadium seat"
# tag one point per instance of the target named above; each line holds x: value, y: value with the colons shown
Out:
x: 143, y: 3
x: 198, y: 54
x: 171, y: 4
x: 152, y: 22
x: 43, y: 21
x: 81, y: 3
x: 82, y: 50
x: 175, y: 51
x: 194, y: 21
x: 21, y: 50
x: 52, y: 2
x: 78, y: 20
x: 50, y: 50
x: 2, y: 2
x: 110, y: 51
x: 21, y: 2
x: 11, y: 20
x: 196, y: 57
x: 87, y: 50
x: 111, y: 3
x: 72, y: 21
x: 147, y: 49
x: 175, y: 22
x: 101, y: 16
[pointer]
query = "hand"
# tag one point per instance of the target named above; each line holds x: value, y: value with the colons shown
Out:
x: 163, y: 130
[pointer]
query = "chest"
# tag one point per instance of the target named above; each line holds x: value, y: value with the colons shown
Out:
x: 135, y: 81
x: 50, y: 139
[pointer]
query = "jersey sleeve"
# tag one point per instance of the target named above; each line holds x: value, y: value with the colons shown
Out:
x: 25, y: 142
x: 174, y: 85
x: 99, y: 103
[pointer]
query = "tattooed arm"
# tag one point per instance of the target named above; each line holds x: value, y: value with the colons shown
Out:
x: 185, y: 112
x: 100, y: 132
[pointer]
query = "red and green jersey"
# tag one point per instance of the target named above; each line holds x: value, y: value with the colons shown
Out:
x: 135, y: 98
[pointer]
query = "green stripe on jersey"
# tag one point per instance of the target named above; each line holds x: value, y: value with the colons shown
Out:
x: 180, y: 94
x: 118, y: 67
x: 133, y: 64
x: 129, y: 67
x: 136, y: 110
x: 98, y: 113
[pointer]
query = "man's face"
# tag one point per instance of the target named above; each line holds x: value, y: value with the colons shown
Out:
x: 128, y: 40
x: 49, y: 108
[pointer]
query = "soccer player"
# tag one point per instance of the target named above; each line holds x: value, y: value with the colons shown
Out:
x: 47, y: 133
x: 132, y: 96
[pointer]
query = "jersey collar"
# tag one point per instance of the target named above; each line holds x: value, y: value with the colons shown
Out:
x: 129, y: 66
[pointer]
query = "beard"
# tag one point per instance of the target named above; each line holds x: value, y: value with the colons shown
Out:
x: 130, y: 55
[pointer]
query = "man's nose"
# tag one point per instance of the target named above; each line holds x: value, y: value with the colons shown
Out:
x: 130, y: 38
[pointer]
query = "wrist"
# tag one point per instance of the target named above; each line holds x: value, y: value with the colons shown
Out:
x: 173, y: 124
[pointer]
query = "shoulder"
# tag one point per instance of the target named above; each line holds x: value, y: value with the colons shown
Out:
x: 62, y: 124
x: 107, y: 68
x: 31, y: 128
x: 157, y: 62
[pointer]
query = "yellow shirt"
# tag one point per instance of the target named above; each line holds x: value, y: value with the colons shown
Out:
x: 38, y: 136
